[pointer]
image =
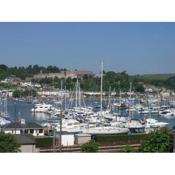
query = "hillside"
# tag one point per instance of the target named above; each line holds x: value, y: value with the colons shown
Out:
x: 155, y: 76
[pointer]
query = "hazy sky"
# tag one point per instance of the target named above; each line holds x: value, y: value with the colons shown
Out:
x: 137, y: 48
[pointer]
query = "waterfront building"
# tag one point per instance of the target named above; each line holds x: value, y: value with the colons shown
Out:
x: 24, y: 128
x: 67, y: 138
x: 82, y: 138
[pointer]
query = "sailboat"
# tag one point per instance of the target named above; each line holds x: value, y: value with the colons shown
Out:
x: 102, y: 129
x: 4, y: 117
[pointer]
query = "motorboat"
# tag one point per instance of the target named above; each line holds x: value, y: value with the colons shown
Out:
x: 71, y: 125
x: 105, y: 130
x: 153, y: 123
x: 42, y: 108
x: 4, y: 121
x: 167, y: 113
x: 134, y: 124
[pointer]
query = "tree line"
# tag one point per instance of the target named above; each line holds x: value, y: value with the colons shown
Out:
x: 29, y: 71
x: 113, y: 81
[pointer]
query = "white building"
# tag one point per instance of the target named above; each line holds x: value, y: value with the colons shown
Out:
x: 54, y: 93
x: 23, y: 128
x: 67, y: 139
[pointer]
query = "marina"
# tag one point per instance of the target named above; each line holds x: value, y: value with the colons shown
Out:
x: 17, y: 109
x: 74, y: 113
x: 52, y: 108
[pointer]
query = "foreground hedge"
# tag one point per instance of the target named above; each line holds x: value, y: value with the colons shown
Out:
x: 126, y: 139
x: 90, y: 147
x: 44, y: 142
x: 120, y: 139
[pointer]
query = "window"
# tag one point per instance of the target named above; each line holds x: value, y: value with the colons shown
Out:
x: 40, y: 130
x: 31, y: 131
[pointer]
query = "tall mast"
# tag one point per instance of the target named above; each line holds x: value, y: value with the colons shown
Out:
x: 79, y: 95
x: 101, y: 99
x: 61, y: 86
x: 130, y: 89
x: 120, y: 96
x: 65, y: 98
x: 76, y: 94
x: 109, y: 98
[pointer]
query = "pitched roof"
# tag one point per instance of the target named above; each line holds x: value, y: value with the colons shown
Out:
x: 25, y: 139
x: 19, y: 125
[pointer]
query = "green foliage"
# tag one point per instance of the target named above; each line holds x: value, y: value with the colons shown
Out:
x: 7, y: 86
x: 170, y: 82
x: 90, y: 147
x: 159, y: 80
x: 128, y: 149
x: 158, y: 141
x: 156, y: 76
x: 116, y: 81
x: 24, y: 93
x: 17, y: 94
x: 8, y: 143
x: 111, y: 79
x: 120, y: 139
x: 44, y: 142
x: 24, y: 72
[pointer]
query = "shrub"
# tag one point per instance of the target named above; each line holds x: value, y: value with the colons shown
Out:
x: 8, y: 143
x: 128, y: 149
x: 90, y: 147
x: 44, y: 142
x: 158, y: 141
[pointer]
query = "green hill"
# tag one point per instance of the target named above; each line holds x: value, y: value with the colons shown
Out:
x: 156, y: 76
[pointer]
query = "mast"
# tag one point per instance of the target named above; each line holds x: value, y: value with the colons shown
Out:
x: 109, y: 98
x: 79, y: 95
x: 76, y: 94
x: 130, y: 89
x: 65, y: 98
x: 61, y: 85
x: 101, y: 99
x: 120, y: 97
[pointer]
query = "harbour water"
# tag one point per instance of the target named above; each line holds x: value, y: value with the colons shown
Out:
x: 22, y: 109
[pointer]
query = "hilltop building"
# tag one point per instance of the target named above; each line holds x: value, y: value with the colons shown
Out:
x: 65, y: 74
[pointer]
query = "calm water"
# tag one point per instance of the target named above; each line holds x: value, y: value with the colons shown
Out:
x: 23, y: 111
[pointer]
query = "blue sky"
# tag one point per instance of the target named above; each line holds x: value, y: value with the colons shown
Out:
x: 138, y: 48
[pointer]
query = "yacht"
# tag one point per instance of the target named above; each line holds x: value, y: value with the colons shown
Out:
x: 42, y: 108
x: 153, y: 123
x: 134, y: 124
x: 167, y: 113
x: 105, y: 130
x: 3, y: 121
x: 71, y: 125
x: 144, y: 111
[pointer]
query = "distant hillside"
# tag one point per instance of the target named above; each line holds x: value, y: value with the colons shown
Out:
x: 156, y: 76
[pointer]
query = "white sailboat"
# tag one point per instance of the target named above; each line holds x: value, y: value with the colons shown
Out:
x: 102, y: 114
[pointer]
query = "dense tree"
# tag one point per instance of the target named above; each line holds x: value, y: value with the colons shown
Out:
x: 114, y: 80
x: 8, y: 143
x: 3, y: 67
x: 158, y: 141
x: 24, y: 93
